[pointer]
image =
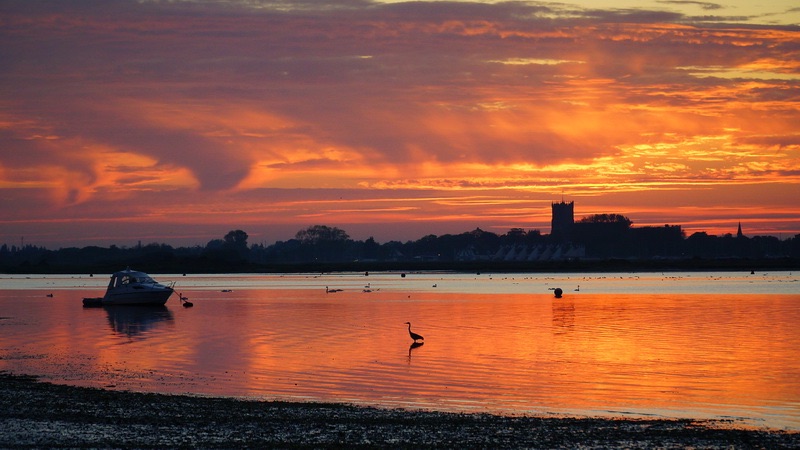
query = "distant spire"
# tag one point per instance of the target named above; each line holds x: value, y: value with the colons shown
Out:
x: 739, y: 231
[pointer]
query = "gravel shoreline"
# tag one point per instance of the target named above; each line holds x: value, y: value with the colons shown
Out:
x: 36, y: 414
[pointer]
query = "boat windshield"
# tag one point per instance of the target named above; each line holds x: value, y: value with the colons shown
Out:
x: 135, y: 277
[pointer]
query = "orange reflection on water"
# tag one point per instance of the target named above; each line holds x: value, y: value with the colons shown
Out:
x: 675, y: 355
x: 622, y: 353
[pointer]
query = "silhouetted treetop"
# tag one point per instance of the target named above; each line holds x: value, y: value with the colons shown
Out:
x: 618, y: 219
x: 236, y: 239
x: 215, y: 244
x: 316, y: 234
x: 516, y: 233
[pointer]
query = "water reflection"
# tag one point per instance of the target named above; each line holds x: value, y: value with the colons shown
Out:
x: 563, y: 316
x: 412, y: 347
x: 134, y: 321
x: 505, y: 345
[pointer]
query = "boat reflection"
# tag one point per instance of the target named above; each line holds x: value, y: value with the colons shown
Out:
x: 136, y: 320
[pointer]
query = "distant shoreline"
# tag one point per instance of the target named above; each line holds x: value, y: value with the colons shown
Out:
x: 39, y: 414
x: 575, y: 266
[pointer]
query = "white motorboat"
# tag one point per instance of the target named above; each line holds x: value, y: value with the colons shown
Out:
x: 131, y: 287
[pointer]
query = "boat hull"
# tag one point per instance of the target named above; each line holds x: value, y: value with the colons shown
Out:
x: 130, y: 299
x: 138, y: 297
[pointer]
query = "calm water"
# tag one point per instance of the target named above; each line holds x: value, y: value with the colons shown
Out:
x: 697, y: 345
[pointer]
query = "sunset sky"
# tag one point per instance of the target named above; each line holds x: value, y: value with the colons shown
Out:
x: 177, y: 121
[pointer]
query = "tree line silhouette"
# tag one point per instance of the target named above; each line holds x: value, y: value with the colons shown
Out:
x: 597, y: 242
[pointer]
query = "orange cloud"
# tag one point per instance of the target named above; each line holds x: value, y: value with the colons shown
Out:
x: 463, y: 114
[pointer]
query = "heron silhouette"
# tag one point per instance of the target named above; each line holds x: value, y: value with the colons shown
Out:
x: 413, y: 335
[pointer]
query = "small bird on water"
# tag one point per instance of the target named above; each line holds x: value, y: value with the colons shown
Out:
x: 413, y: 335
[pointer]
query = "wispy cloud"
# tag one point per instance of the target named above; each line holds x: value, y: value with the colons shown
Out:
x: 703, y: 5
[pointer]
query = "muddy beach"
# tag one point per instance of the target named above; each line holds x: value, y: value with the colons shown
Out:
x: 36, y: 414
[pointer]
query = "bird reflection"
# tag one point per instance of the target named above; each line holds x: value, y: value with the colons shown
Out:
x: 412, y: 347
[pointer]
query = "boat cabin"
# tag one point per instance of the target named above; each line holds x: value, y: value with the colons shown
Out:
x: 129, y: 277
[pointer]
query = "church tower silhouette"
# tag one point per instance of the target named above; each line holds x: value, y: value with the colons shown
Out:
x: 563, y: 218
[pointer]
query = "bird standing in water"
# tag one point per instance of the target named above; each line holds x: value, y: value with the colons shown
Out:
x: 413, y: 335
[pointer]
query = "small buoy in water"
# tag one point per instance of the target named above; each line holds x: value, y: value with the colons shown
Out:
x: 185, y: 301
x: 557, y: 292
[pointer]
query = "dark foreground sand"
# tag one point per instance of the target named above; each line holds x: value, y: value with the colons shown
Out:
x: 40, y: 415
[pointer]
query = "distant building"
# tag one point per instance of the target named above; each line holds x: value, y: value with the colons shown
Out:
x: 739, y: 233
x: 609, y: 235
x: 563, y: 220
